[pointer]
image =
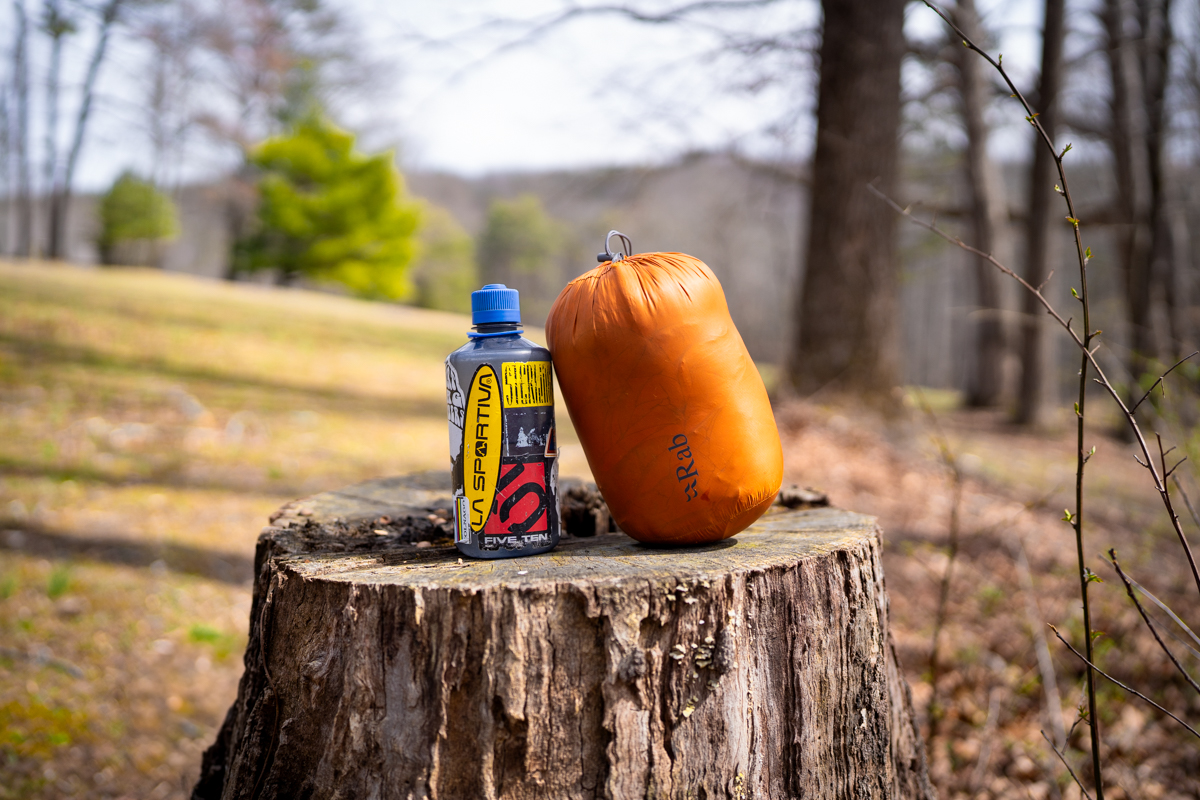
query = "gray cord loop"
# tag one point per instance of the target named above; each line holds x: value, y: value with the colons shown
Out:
x: 608, y: 255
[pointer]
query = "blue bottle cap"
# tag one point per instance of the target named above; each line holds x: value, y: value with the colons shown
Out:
x: 495, y: 303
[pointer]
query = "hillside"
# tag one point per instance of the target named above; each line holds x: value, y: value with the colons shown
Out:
x: 747, y: 220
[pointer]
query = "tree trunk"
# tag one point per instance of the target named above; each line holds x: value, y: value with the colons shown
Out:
x: 1036, y: 392
x: 1126, y: 140
x: 6, y: 160
x: 24, y: 233
x: 988, y: 216
x: 60, y: 205
x: 758, y: 667
x: 846, y: 338
x: 1178, y: 286
x: 55, y: 27
x: 1156, y: 43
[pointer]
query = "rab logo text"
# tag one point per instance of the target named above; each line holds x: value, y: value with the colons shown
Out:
x: 684, y: 472
x: 482, y: 430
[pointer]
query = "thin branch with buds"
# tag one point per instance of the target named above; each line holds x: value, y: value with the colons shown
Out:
x: 1084, y: 255
x: 1061, y: 758
x: 1147, y: 461
x: 1154, y: 385
x: 1089, y: 357
x: 1187, y: 501
x: 1174, y: 617
x: 1112, y: 557
x: 1116, y: 682
x: 1160, y: 472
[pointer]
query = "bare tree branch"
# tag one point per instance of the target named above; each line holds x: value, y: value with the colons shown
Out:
x: 1112, y: 556
x: 668, y: 16
x: 1129, y: 689
x: 1087, y: 358
x: 1134, y: 407
x: 1063, y: 759
x: 1188, y: 502
x: 535, y: 31
x: 1032, y: 118
x: 1173, y: 616
x: 60, y: 201
x: 1089, y: 354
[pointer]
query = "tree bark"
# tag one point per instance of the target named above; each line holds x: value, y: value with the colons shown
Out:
x: 988, y: 216
x: 1036, y: 392
x: 846, y: 338
x: 759, y: 667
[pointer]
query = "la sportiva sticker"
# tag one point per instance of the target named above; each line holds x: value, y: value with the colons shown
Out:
x: 482, y: 438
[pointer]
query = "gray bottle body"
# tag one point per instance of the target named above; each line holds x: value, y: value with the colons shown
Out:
x: 503, y: 447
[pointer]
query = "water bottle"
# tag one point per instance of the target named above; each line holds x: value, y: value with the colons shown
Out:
x: 503, y: 448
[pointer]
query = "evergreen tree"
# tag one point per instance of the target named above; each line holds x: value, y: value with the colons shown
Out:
x: 445, y: 273
x: 520, y: 238
x: 330, y: 214
x: 524, y: 247
x: 134, y: 218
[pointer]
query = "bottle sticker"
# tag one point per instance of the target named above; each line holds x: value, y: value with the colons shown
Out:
x: 527, y: 430
x: 527, y: 383
x: 522, y: 503
x: 462, y: 519
x: 456, y: 406
x: 481, y: 452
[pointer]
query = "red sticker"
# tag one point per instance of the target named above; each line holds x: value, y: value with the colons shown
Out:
x: 522, y: 501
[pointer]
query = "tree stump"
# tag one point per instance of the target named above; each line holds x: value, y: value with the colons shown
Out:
x: 380, y: 664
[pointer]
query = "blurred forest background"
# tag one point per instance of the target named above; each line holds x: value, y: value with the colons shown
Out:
x: 230, y: 281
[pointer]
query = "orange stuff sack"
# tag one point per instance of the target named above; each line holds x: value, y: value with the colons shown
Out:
x: 673, y: 416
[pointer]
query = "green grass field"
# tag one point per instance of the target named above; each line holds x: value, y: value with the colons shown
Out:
x: 149, y: 423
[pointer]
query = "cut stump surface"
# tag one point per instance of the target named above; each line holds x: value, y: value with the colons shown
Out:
x: 379, y: 666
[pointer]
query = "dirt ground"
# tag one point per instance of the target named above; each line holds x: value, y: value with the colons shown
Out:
x: 991, y: 703
x: 149, y: 425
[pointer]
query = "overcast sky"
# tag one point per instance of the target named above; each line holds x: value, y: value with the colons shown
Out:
x: 598, y: 90
x: 604, y: 90
x: 460, y: 88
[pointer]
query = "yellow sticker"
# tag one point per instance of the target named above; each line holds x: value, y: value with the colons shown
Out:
x: 527, y: 383
x: 482, y: 428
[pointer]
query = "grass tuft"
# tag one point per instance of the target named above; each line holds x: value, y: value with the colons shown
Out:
x: 59, y: 582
